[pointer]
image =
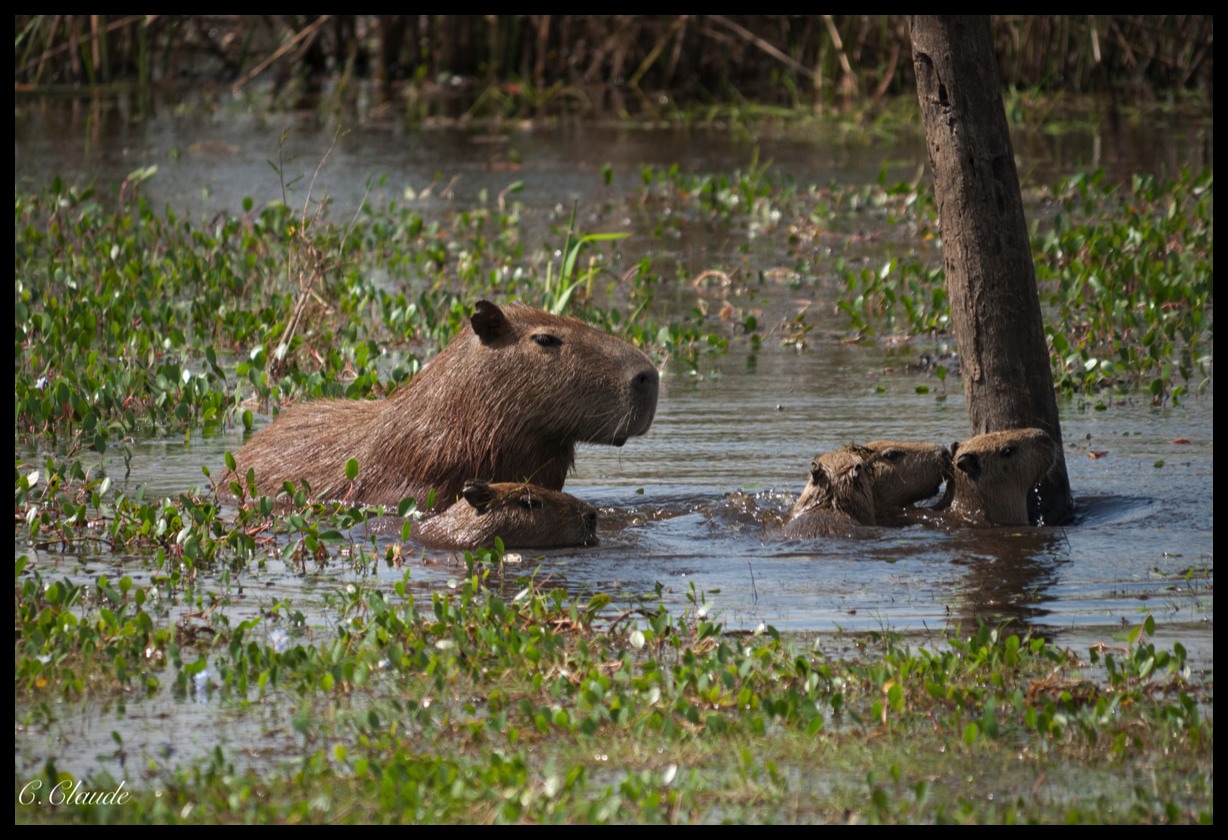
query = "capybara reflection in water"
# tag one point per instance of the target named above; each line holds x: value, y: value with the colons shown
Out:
x: 522, y: 515
x: 507, y: 400
x: 995, y: 472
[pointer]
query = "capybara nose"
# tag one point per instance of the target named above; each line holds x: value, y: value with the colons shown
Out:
x: 645, y: 387
x: 646, y: 381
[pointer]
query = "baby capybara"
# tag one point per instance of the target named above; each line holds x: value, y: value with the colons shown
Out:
x: 522, y: 515
x: 904, y: 473
x: 838, y: 497
x: 866, y: 485
x: 995, y: 472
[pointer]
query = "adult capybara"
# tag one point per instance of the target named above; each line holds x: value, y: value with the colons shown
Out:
x: 522, y: 515
x: 506, y: 400
x: 995, y: 472
x: 838, y: 497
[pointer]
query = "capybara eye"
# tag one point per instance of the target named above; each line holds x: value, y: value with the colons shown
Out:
x: 893, y: 454
x: 531, y: 503
x: 1008, y: 451
x: 547, y: 340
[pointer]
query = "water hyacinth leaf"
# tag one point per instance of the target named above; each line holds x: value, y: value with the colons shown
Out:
x: 971, y: 733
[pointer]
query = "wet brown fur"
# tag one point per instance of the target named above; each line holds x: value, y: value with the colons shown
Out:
x: 993, y: 474
x: 838, y: 497
x: 899, y: 473
x: 506, y: 400
x: 904, y: 473
x: 522, y: 515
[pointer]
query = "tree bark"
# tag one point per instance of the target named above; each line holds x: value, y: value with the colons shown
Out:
x: 995, y: 309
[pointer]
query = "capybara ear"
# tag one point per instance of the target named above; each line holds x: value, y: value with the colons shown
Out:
x: 970, y: 464
x: 818, y: 475
x: 490, y: 324
x: 864, y: 452
x: 478, y: 494
x: 948, y: 461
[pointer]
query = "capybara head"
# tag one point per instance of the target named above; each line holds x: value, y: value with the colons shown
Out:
x: 995, y: 472
x: 571, y: 381
x: 508, y: 400
x: 840, y: 480
x: 906, y: 472
x: 522, y: 515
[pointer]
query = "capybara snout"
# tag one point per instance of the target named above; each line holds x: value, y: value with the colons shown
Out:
x: 645, y: 386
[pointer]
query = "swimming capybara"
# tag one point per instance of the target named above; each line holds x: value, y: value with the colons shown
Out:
x: 838, y: 497
x: 507, y: 400
x: 995, y: 472
x: 522, y: 515
x: 896, y: 474
x: 904, y: 473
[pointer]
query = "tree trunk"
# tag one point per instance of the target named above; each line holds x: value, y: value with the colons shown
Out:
x: 995, y: 309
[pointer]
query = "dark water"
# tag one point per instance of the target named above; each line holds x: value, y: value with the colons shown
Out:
x: 683, y: 506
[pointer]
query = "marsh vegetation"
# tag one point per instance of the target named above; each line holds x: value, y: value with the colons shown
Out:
x: 249, y: 657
